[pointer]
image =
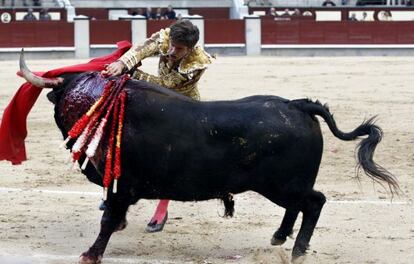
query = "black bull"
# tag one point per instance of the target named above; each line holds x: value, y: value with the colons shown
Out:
x: 179, y: 149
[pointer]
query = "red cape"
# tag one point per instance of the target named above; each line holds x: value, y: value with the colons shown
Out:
x: 13, y: 124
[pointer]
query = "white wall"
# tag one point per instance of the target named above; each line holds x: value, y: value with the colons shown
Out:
x: 151, y: 3
x: 315, y: 3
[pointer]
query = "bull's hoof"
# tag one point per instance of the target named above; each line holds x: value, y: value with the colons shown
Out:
x: 153, y: 226
x: 102, y: 206
x: 277, y: 241
x: 86, y: 259
x: 298, y: 260
x: 121, y: 225
x: 279, y: 238
x: 298, y: 254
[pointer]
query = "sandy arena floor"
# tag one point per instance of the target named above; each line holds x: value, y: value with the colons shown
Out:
x: 49, y: 213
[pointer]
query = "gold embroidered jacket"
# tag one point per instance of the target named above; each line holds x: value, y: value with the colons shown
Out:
x: 181, y: 77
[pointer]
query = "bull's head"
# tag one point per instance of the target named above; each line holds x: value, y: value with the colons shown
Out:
x: 37, y: 81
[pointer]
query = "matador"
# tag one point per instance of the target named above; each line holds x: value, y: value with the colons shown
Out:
x: 181, y: 65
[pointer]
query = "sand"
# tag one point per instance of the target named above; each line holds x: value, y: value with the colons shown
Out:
x: 49, y: 213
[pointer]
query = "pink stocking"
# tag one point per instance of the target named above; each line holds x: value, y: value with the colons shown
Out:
x: 160, y: 212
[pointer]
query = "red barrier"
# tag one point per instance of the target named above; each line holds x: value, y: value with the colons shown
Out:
x: 37, y: 34
x: 211, y: 12
x: 217, y: 31
x: 109, y: 31
x: 345, y: 32
x: 224, y: 31
x: 155, y: 25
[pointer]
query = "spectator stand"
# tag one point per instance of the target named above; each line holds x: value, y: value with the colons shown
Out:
x: 27, y: 3
x: 18, y: 13
x: 106, y: 13
x: 398, y: 13
x: 319, y: 3
x: 324, y: 31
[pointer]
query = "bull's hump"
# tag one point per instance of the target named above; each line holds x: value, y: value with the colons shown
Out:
x: 88, y: 85
x: 80, y: 95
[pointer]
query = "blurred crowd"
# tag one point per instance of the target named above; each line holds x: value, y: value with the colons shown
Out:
x: 158, y: 14
x: 288, y: 14
x: 333, y: 3
x: 358, y: 15
x: 149, y: 13
x: 43, y: 15
x: 24, y: 2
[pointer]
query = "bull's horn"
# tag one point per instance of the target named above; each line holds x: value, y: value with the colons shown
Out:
x: 37, y: 80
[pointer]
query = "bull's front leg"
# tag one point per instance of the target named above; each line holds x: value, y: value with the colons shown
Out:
x: 113, y: 216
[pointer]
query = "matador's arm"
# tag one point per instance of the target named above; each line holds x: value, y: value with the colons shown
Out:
x: 134, y: 55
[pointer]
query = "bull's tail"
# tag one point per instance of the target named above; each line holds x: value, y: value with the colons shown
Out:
x: 365, y: 148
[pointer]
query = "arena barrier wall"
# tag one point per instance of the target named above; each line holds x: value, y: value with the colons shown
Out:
x: 156, y: 25
x: 224, y: 36
x: 224, y: 31
x: 36, y: 34
x: 104, y: 32
x: 336, y: 32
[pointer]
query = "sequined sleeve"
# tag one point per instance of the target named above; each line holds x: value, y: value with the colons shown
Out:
x: 174, y: 81
x: 137, y: 53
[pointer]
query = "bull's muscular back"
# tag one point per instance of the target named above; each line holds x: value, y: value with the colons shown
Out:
x: 189, y: 150
x: 177, y: 148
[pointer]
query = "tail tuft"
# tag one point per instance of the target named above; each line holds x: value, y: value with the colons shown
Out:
x: 365, y: 148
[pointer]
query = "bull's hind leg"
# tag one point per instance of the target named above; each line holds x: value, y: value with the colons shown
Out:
x: 311, y: 208
x: 112, y: 218
x: 286, y: 228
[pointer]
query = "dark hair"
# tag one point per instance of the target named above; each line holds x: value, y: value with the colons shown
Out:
x: 184, y: 32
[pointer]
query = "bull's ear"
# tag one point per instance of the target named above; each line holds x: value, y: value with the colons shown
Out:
x: 52, y: 97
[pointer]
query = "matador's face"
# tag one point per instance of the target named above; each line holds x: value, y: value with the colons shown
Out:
x: 177, y: 51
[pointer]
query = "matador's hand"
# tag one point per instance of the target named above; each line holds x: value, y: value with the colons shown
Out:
x: 114, y: 69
